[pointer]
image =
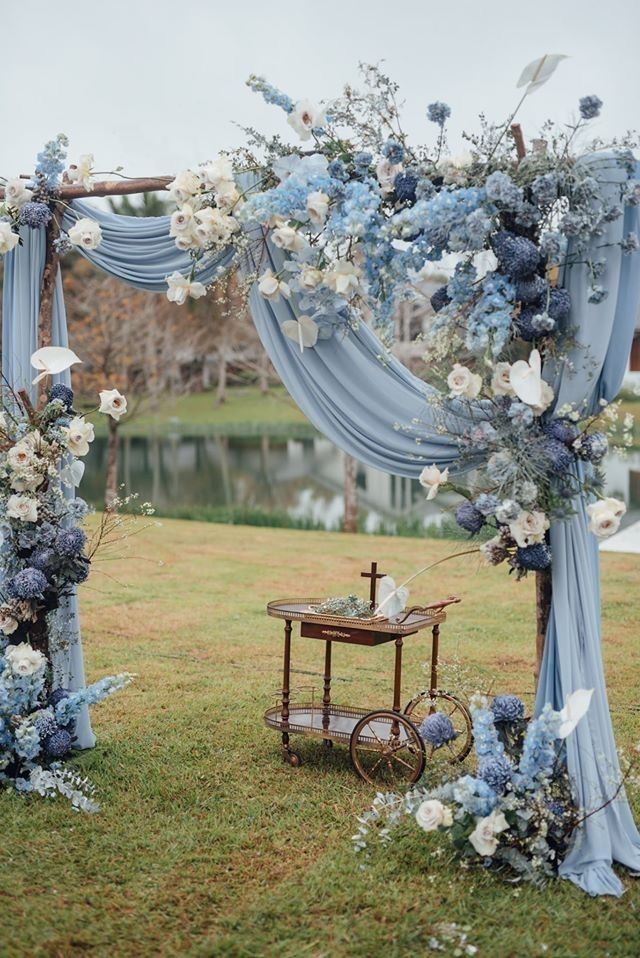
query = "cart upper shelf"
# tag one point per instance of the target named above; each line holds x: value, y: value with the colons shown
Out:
x: 346, y: 629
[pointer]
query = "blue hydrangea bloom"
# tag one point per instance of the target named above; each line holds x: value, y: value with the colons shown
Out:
x: 393, y: 150
x: 35, y: 215
x: 362, y: 161
x: 507, y: 708
x: 518, y: 256
x: 593, y: 447
x: 531, y: 291
x: 469, y: 518
x: 486, y: 503
x: 70, y: 542
x: 559, y: 303
x: 438, y: 112
x: 437, y: 729
x: 496, y: 772
x: 58, y: 745
x: 590, y: 107
x: 27, y: 584
x: 63, y: 393
x: 475, y: 796
x: 501, y: 189
x: 405, y: 185
x: 534, y: 558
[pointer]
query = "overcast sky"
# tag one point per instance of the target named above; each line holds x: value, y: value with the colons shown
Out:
x: 155, y: 86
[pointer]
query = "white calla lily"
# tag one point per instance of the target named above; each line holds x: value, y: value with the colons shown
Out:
x: 536, y: 73
x: 576, y: 707
x: 392, y: 599
x: 526, y: 379
x: 51, y: 360
x: 303, y: 331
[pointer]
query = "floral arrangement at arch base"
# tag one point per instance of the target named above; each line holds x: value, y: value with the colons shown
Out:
x: 360, y: 214
x: 45, y: 554
x: 517, y: 813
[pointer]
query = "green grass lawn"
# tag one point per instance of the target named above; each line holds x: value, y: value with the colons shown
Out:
x: 246, y: 411
x: 207, y: 844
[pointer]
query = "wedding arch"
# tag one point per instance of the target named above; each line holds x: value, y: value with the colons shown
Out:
x: 367, y: 402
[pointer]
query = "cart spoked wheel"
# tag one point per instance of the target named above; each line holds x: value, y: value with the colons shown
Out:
x: 433, y: 702
x: 291, y: 758
x: 386, y: 749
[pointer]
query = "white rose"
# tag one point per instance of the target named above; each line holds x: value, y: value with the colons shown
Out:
x: 271, y: 287
x: 187, y: 240
x: 16, y: 194
x: 386, y: 173
x: 433, y: 814
x: 344, y: 278
x: 180, y: 288
x: 8, y: 622
x: 185, y: 185
x: 112, y: 403
x: 23, y: 659
x: 501, y: 381
x: 463, y: 383
x: 431, y: 478
x: 23, y: 508
x: 286, y: 237
x: 317, y: 207
x: 305, y: 117
x: 181, y: 220
x: 8, y: 239
x: 529, y: 527
x: 484, y: 836
x: 81, y: 171
x: 214, y: 226
x: 20, y: 456
x: 604, y: 516
x: 309, y: 277
x: 227, y: 194
x: 79, y: 434
x: 86, y: 233
x: 216, y: 173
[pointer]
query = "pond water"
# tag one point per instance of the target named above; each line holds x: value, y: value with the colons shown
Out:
x: 298, y: 476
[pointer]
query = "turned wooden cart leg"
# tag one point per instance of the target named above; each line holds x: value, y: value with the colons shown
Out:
x: 288, y: 755
x: 397, y: 684
x: 435, y: 649
x: 326, y: 695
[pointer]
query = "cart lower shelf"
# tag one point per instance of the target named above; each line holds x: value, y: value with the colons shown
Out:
x: 334, y: 722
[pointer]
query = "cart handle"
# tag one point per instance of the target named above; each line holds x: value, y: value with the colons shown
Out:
x: 432, y: 607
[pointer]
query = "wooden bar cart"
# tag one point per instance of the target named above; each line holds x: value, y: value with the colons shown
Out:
x: 384, y: 744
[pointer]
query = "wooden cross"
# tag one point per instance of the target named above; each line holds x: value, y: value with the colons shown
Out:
x: 374, y: 575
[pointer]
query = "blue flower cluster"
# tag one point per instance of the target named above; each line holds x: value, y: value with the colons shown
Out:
x: 507, y: 708
x: 35, y: 215
x: 489, y: 321
x: 437, y: 729
x: 539, y: 751
x: 50, y: 161
x: 270, y: 93
x: 438, y: 112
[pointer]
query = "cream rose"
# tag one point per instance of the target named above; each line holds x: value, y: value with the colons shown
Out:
x: 216, y: 173
x: 484, y: 837
x: 344, y: 278
x: 227, y: 195
x: 431, y: 478
x: 24, y: 508
x: 86, y: 233
x: 16, y: 194
x: 80, y: 172
x: 8, y: 622
x: 214, y: 226
x: 20, y: 456
x: 604, y: 517
x: 305, y: 117
x: 179, y: 288
x: 8, y: 239
x: 386, y: 173
x: 286, y: 237
x: 501, y: 380
x: 184, y: 187
x: 463, y: 383
x: 432, y: 814
x: 112, y: 403
x: 317, y: 207
x: 181, y: 220
x: 23, y: 659
x: 529, y: 527
x: 310, y: 277
x: 271, y: 287
x: 546, y: 398
x: 79, y: 434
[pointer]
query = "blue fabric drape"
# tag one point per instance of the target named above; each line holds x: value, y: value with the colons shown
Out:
x: 20, y: 307
x: 374, y: 408
x: 572, y: 656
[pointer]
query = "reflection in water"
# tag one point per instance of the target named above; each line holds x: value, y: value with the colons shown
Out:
x: 300, y: 476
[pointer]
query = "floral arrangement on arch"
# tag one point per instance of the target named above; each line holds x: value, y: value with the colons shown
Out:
x: 359, y: 213
x: 45, y: 554
x: 516, y: 814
